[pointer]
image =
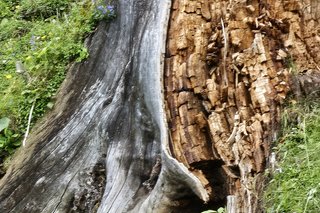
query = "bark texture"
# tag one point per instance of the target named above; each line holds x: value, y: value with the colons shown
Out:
x: 99, y: 145
x: 229, y: 66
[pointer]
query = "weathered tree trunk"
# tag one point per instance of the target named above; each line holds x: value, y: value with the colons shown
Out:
x: 107, y: 146
x: 98, y: 146
x: 228, y: 68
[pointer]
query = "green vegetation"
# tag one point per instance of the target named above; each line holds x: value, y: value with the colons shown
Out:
x: 39, y: 39
x: 220, y: 210
x: 290, y: 64
x: 295, y: 187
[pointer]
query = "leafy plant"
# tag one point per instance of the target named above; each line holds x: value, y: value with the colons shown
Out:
x: 39, y: 39
x: 4, y: 123
x: 104, y: 12
x: 8, y: 140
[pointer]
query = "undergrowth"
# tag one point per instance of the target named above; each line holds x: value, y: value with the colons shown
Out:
x: 39, y: 39
x: 295, y: 185
x: 220, y: 210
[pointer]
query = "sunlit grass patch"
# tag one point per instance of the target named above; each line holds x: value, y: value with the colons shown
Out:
x: 296, y: 185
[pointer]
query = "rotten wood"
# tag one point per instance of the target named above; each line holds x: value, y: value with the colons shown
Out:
x: 229, y: 66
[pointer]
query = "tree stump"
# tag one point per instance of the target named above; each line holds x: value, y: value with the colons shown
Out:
x: 171, y: 112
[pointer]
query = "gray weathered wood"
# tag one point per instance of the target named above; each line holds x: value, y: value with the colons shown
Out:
x: 232, y: 204
x: 97, y: 149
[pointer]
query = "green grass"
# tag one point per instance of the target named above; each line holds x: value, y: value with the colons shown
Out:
x: 42, y: 37
x: 297, y: 187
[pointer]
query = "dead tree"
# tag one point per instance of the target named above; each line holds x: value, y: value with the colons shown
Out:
x: 174, y: 111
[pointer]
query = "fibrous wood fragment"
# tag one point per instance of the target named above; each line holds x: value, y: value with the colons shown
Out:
x: 238, y: 63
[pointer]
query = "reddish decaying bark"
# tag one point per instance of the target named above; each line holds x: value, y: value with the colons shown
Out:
x: 229, y: 66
